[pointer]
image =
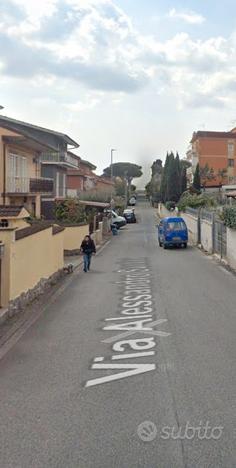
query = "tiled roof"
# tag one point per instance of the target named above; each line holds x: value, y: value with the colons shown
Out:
x: 105, y: 180
x: 206, y: 134
x: 33, y: 229
x: 9, y: 121
x: 10, y: 211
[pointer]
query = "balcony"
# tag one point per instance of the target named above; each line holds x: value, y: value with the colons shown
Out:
x: 59, y: 158
x: 26, y: 185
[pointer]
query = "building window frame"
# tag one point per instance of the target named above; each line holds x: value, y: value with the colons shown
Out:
x: 230, y: 162
x: 4, y: 223
x: 230, y: 149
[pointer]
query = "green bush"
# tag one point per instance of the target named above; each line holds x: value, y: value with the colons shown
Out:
x: 170, y: 205
x: 69, y: 211
x: 229, y: 217
x: 196, y: 201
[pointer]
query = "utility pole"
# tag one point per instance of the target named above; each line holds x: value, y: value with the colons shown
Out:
x: 111, y: 200
x: 126, y: 189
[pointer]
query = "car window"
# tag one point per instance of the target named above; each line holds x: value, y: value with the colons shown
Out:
x: 176, y: 225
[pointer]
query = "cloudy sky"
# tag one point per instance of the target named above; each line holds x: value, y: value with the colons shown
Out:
x: 136, y: 75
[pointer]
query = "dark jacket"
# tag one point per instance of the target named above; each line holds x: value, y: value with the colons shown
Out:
x: 88, y: 247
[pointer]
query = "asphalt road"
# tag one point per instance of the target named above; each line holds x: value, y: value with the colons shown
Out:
x: 170, y: 403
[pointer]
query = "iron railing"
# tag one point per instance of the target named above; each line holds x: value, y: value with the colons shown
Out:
x: 60, y: 158
x: 29, y: 185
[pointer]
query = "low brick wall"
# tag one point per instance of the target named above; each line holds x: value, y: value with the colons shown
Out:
x: 206, y: 236
x: 73, y: 236
x: 231, y: 247
x: 191, y: 223
x: 18, y: 304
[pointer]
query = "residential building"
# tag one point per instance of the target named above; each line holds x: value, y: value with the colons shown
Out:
x: 33, y: 164
x: 57, y: 167
x: 82, y: 179
x: 105, y: 185
x: 20, y: 178
x: 218, y: 151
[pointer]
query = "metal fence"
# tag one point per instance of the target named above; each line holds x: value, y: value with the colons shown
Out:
x: 192, y: 212
x: 219, y: 230
x: 208, y: 215
x: 219, y: 238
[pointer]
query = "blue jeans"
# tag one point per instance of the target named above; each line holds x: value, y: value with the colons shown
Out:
x: 87, y: 261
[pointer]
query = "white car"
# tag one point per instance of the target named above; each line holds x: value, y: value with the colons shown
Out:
x: 119, y: 221
x: 132, y: 201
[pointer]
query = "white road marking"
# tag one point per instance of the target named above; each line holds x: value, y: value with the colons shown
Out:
x: 138, y: 313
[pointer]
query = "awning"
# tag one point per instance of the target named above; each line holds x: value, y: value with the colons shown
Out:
x: 231, y: 194
x: 94, y: 203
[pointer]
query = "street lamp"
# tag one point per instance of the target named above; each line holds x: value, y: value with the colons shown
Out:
x: 112, y: 151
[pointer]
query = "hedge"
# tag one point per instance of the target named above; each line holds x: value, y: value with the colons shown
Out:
x: 229, y: 217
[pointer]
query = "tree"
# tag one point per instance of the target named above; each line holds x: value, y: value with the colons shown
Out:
x: 183, y: 180
x: 148, y: 189
x: 206, y: 175
x: 178, y: 177
x: 163, y: 188
x: 120, y: 186
x: 222, y: 174
x: 173, y: 180
x: 125, y: 170
x: 197, y: 178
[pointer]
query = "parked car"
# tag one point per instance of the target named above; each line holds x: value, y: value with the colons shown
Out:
x: 129, y: 215
x: 119, y: 221
x: 172, y: 231
x: 132, y: 201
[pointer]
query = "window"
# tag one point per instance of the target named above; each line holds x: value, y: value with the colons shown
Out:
x: 230, y: 162
x: 4, y: 223
x: 18, y: 173
x: 230, y: 149
x: 176, y: 226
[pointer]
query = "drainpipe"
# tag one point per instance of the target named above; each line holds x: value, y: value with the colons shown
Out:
x: 4, y: 173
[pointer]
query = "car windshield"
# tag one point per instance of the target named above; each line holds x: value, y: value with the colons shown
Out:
x: 176, y: 225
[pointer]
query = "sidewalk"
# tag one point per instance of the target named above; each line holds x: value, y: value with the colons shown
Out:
x: 77, y: 260
x: 11, y: 326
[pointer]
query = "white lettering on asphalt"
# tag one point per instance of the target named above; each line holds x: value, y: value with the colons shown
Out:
x: 134, y: 369
x: 137, y: 307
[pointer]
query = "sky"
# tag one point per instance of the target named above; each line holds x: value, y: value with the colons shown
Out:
x: 139, y: 76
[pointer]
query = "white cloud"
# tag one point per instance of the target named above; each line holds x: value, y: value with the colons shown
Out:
x: 190, y: 17
x: 94, y: 43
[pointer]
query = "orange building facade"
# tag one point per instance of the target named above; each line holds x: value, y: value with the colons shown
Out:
x: 218, y: 151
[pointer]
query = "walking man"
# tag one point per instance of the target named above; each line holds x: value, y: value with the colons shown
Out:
x: 87, y: 248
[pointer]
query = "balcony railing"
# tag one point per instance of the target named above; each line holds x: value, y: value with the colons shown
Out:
x: 41, y: 185
x: 59, y: 158
x: 29, y: 185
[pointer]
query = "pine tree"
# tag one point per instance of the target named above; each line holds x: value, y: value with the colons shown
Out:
x: 163, y: 189
x: 178, y: 176
x: 183, y: 180
x: 197, y: 178
x: 171, y: 179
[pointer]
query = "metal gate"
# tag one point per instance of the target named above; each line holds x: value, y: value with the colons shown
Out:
x: 220, y: 238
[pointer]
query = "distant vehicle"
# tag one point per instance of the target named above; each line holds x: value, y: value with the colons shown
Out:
x: 129, y: 215
x: 119, y: 221
x: 172, y: 231
x: 132, y: 201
